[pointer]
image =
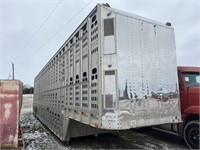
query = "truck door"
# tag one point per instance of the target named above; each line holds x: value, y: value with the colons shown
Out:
x: 192, y: 85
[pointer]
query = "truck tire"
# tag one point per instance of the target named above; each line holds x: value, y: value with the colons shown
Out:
x: 191, y: 134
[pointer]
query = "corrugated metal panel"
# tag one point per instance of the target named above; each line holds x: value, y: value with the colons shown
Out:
x: 10, y: 105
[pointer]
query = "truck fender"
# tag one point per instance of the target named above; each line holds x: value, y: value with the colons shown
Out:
x: 192, y: 110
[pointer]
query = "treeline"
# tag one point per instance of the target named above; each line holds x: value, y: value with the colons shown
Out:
x: 28, y: 90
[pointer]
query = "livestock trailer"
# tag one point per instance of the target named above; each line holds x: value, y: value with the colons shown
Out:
x: 116, y: 71
x: 10, y: 105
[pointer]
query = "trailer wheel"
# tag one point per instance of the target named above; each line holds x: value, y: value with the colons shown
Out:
x: 191, y: 134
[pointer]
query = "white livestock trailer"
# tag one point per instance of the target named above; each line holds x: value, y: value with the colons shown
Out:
x: 116, y: 71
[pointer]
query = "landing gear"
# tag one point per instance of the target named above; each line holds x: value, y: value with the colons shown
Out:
x: 191, y: 134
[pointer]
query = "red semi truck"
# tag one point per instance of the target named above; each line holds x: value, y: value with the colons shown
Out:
x: 189, y: 87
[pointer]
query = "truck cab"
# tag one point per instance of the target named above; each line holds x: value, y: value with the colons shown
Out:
x: 189, y: 87
x: 189, y: 96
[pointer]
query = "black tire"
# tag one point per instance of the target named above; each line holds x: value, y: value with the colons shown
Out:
x: 191, y: 134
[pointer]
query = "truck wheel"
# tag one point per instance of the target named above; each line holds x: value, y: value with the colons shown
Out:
x: 191, y: 134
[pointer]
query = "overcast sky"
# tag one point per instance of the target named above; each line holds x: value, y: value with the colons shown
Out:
x: 20, y: 19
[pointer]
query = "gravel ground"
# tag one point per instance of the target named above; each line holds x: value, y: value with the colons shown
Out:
x: 37, y: 136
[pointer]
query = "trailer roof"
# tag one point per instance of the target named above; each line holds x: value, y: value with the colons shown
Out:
x: 127, y: 14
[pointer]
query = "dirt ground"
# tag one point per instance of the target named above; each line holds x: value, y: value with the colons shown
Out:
x: 37, y: 136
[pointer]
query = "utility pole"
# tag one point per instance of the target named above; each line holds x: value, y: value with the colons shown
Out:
x: 13, y: 74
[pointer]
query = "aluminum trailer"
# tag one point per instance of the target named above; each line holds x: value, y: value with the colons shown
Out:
x: 116, y: 71
x: 10, y: 106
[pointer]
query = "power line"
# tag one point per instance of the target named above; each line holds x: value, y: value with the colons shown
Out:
x: 60, y: 29
x: 39, y: 28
